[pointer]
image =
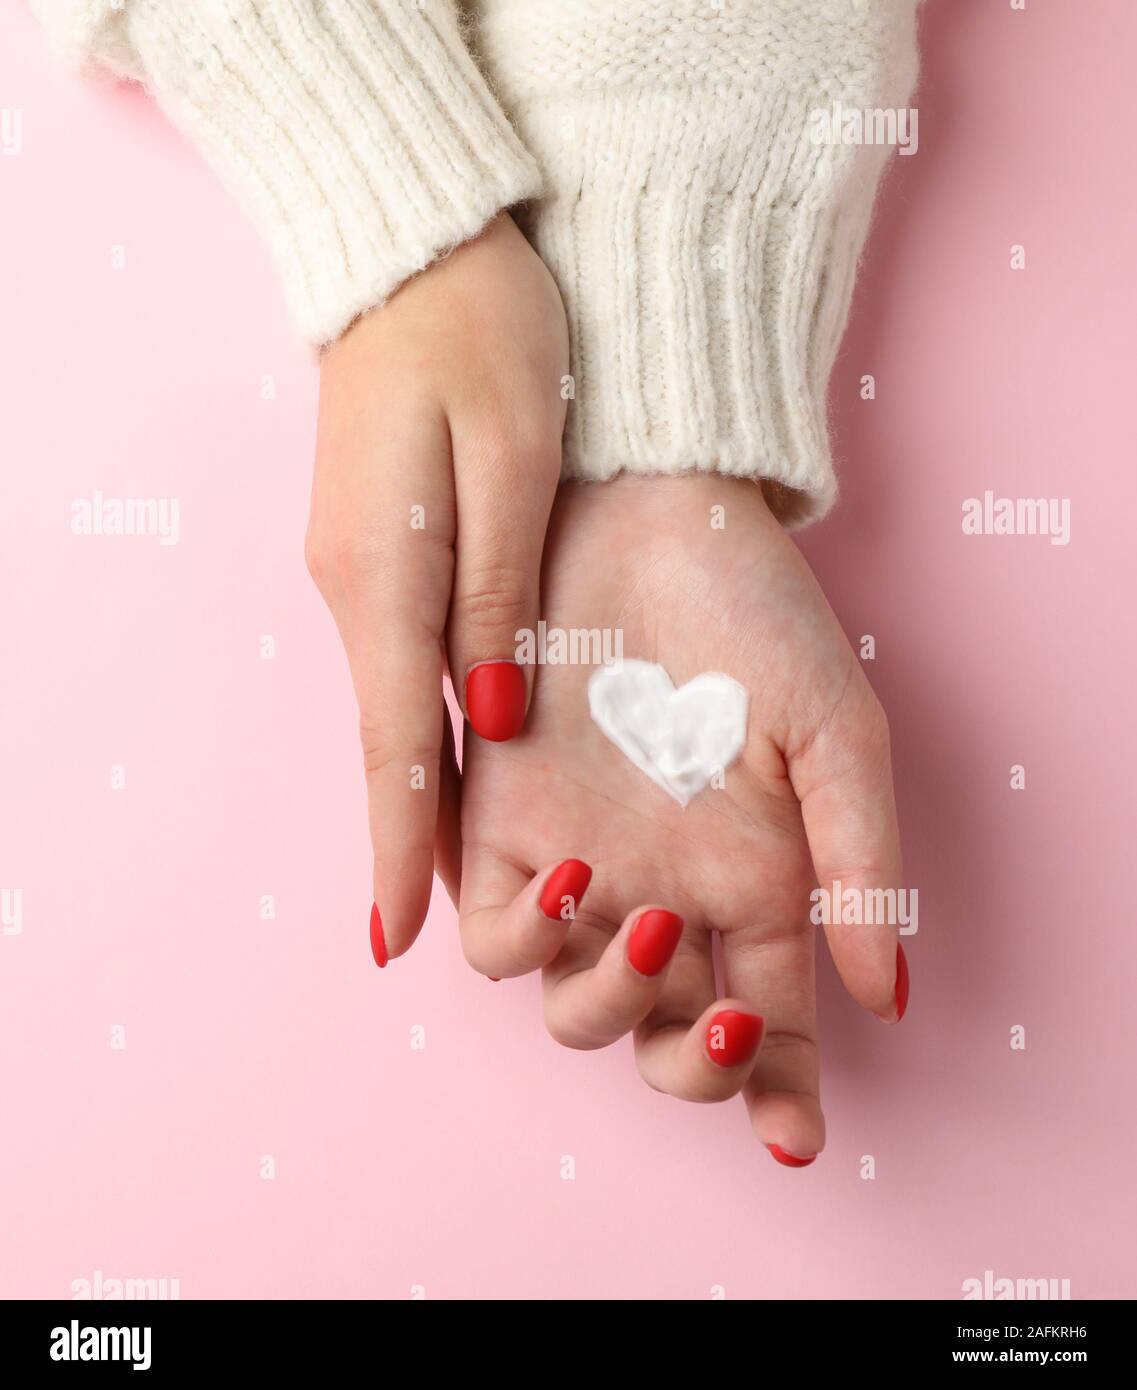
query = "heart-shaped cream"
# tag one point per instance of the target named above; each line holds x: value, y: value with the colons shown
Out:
x: 680, y: 738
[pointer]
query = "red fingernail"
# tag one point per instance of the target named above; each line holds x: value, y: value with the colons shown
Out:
x: 653, y: 940
x: 732, y: 1037
x: 378, y: 944
x: 790, y: 1160
x: 901, y: 982
x: 566, y: 885
x: 495, y: 700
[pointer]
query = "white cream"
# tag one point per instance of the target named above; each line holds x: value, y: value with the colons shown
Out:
x: 679, y: 738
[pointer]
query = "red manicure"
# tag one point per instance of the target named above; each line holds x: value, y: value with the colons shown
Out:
x: 378, y: 944
x: 568, y: 881
x: 901, y: 982
x: 653, y: 940
x: 733, y: 1036
x: 790, y: 1160
x: 495, y: 699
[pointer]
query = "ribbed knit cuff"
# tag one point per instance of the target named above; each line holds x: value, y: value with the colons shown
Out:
x: 704, y: 324
x: 362, y: 138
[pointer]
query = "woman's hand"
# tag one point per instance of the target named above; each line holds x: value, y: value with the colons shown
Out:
x: 437, y: 461
x: 811, y: 793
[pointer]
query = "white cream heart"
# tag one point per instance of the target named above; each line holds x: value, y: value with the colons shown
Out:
x: 680, y: 738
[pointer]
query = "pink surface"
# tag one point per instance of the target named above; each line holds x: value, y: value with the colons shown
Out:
x: 441, y: 1167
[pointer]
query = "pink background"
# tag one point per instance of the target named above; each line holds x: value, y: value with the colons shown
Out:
x: 441, y: 1167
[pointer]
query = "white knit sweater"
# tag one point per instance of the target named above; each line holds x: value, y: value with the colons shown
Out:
x: 665, y: 152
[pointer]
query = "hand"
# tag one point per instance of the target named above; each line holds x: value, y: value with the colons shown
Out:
x: 811, y: 790
x: 437, y: 459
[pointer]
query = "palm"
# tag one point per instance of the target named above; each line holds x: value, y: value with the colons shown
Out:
x: 641, y: 556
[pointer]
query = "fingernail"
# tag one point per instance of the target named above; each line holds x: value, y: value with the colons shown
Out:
x: 653, y: 940
x: 901, y: 987
x: 790, y: 1160
x: 495, y: 700
x: 378, y: 944
x: 901, y: 982
x: 566, y: 885
x: 733, y: 1036
x: 495, y: 978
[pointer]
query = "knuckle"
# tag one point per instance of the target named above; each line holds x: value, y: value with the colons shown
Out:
x: 858, y: 724
x: 316, y: 557
x: 875, y: 724
x: 356, y: 555
x: 523, y: 440
x: 341, y: 557
x: 478, y: 958
x: 651, y: 1081
x: 565, y: 1033
x: 382, y: 750
x: 400, y: 582
x: 494, y: 599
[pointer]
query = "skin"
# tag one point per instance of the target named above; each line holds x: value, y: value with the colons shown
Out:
x: 812, y: 790
x: 446, y: 399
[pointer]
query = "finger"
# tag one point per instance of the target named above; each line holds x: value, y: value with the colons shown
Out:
x: 381, y: 553
x: 504, y: 489
x: 688, y: 990
x: 692, y: 1045
x: 403, y: 768
x: 598, y: 988
x: 707, y: 1061
x: 511, y: 922
x: 843, y: 778
x: 774, y: 974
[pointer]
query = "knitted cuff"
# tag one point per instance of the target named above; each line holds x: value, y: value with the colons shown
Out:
x: 704, y: 324
x: 362, y: 138
x: 704, y: 238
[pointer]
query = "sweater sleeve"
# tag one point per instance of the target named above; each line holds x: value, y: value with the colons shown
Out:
x: 359, y: 134
x: 708, y: 194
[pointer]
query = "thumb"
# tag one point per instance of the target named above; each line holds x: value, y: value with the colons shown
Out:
x: 843, y: 779
x: 504, y: 495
